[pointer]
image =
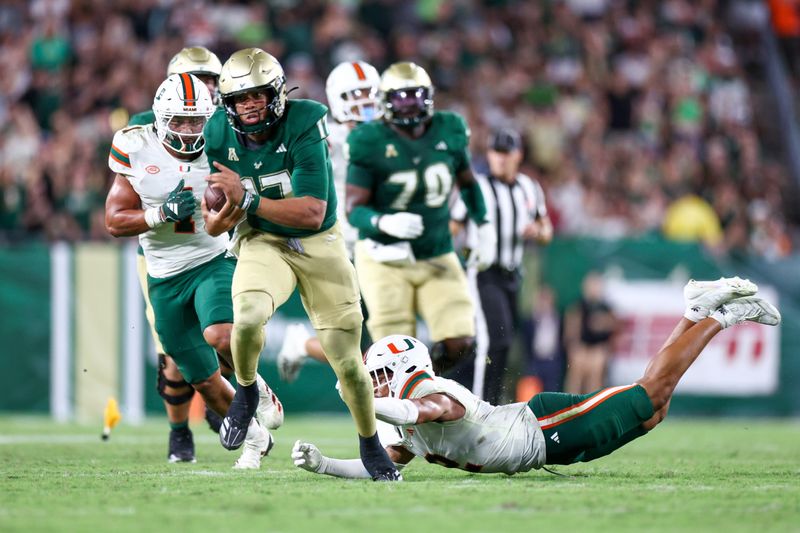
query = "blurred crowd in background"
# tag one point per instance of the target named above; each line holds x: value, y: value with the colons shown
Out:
x: 638, y: 116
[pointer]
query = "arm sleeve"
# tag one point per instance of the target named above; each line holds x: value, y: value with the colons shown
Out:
x: 365, y: 219
x: 347, y: 468
x: 473, y: 199
x: 396, y: 411
x: 462, y: 133
x: 362, y: 217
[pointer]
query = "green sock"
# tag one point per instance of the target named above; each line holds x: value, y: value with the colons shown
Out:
x: 179, y: 425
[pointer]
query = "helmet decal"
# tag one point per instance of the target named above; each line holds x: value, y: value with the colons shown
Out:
x: 352, y: 91
x: 401, y: 361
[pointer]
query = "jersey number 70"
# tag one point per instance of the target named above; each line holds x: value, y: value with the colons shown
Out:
x: 437, y: 179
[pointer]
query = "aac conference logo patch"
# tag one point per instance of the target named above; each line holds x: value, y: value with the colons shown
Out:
x: 152, y: 169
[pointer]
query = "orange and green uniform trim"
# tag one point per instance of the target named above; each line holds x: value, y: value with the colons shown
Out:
x: 120, y: 157
x: 583, y: 427
x: 412, y: 383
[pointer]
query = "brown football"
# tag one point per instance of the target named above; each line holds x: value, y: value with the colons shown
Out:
x: 215, y: 198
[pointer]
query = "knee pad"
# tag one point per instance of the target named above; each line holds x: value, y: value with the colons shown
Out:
x: 162, y: 383
x: 252, y: 309
x: 445, y: 359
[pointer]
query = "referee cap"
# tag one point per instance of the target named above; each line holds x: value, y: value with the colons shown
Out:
x: 505, y: 140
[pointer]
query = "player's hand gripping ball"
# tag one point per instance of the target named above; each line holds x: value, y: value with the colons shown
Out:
x: 215, y: 198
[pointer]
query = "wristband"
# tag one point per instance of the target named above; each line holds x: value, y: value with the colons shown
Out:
x: 247, y: 198
x: 153, y: 217
x: 255, y: 201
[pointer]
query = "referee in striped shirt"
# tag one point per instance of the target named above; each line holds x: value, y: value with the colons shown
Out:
x: 516, y: 207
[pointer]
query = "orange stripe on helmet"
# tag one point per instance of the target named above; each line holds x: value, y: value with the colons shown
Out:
x: 359, y: 71
x: 189, y: 98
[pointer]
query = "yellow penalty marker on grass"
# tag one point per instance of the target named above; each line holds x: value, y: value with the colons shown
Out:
x: 111, y: 417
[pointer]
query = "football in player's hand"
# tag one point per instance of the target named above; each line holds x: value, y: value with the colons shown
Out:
x: 215, y: 198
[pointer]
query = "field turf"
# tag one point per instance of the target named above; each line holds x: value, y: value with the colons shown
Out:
x: 688, y: 475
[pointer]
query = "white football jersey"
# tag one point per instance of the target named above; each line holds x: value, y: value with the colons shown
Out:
x: 170, y: 248
x: 489, y: 438
x: 337, y: 139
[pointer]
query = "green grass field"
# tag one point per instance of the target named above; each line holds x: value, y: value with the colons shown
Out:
x: 735, y: 475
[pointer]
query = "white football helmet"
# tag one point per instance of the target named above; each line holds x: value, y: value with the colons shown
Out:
x: 352, y: 90
x: 182, y: 107
x: 406, y: 358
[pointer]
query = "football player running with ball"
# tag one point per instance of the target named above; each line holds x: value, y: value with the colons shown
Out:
x: 446, y: 424
x: 173, y: 388
x: 270, y: 157
x: 158, y: 169
x: 400, y: 175
x: 352, y: 91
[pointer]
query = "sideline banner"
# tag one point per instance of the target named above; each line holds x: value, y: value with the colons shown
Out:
x: 740, y: 361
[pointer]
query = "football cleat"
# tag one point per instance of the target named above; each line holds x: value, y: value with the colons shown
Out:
x: 270, y: 409
x: 257, y: 444
x: 388, y: 475
x: 703, y: 297
x: 293, y: 351
x: 181, y: 446
x: 213, y: 419
x: 750, y: 308
x: 234, y: 426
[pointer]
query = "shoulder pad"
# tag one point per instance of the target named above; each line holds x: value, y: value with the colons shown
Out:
x: 140, y: 119
x: 126, y: 142
x: 302, y: 115
x: 361, y: 138
x: 130, y: 140
x: 454, y: 122
x: 214, y: 131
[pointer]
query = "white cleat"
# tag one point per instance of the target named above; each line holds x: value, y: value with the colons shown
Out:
x: 293, y: 351
x: 257, y: 444
x: 270, y: 409
x: 703, y: 297
x: 750, y: 308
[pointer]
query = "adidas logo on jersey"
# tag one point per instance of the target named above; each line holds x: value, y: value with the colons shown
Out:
x: 281, y: 149
x: 232, y: 154
x: 257, y: 165
x: 441, y: 146
x: 555, y: 438
x: 391, y: 151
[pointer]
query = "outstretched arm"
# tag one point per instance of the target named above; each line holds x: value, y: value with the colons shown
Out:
x: 308, y: 457
x: 435, y: 407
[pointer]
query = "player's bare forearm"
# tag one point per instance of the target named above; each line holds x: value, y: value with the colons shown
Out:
x: 438, y: 408
x: 126, y: 223
x: 124, y: 213
x: 305, y: 212
x: 540, y: 230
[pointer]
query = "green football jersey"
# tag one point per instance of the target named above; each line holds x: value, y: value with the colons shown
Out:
x: 143, y: 118
x: 294, y: 162
x: 411, y: 175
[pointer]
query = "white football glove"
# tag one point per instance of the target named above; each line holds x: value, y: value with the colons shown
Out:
x: 485, y: 254
x: 401, y: 225
x: 306, y: 456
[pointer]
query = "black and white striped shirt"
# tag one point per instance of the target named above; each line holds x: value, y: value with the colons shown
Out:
x: 510, y: 208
